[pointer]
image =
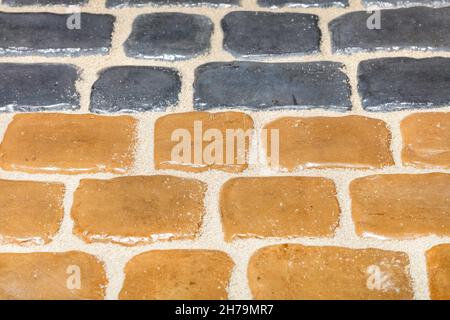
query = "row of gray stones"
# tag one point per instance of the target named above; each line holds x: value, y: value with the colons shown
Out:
x: 264, y: 3
x: 176, y: 36
x: 387, y: 84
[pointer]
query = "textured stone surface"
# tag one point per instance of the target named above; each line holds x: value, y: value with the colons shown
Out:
x: 44, y: 2
x: 30, y: 212
x: 417, y: 28
x: 169, y: 36
x: 438, y: 265
x: 214, y: 3
x: 303, y: 3
x: 38, y: 87
x: 139, y: 209
x: 404, y: 3
x: 401, y: 206
x: 260, y: 86
x: 48, y: 276
x: 176, y: 131
x: 279, y: 207
x: 265, y: 33
x: 48, y: 34
x: 426, y: 140
x: 291, y: 271
x: 177, y: 274
x: 135, y: 89
x: 330, y: 142
x: 393, y: 84
x: 68, y: 144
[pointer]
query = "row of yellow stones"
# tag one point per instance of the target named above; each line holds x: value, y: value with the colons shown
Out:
x: 286, y: 271
x: 141, y: 209
x: 73, y: 144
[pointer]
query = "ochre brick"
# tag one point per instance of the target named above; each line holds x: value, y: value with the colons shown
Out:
x: 49, y: 276
x: 68, y: 144
x: 279, y: 207
x: 438, y: 264
x: 140, y: 209
x: 331, y: 142
x: 177, y: 274
x: 401, y: 206
x: 170, y: 129
x: 291, y: 271
x: 426, y: 140
x: 30, y: 212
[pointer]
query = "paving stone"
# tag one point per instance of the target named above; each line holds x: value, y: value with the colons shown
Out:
x: 401, y: 206
x: 404, y: 3
x: 169, y: 36
x: 44, y: 2
x: 329, y: 142
x: 72, y: 275
x: 417, y: 28
x: 438, y: 265
x: 139, y: 3
x: 138, y: 210
x: 47, y: 34
x: 38, y: 87
x: 198, y: 141
x: 135, y: 89
x: 279, y: 207
x: 292, y: 271
x: 303, y: 3
x: 426, y: 140
x: 31, y: 212
x: 68, y: 143
x: 263, y: 86
x: 393, y: 84
x: 249, y: 33
x: 177, y: 275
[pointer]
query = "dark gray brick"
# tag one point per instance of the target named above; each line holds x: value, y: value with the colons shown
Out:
x: 249, y: 33
x: 135, y: 89
x: 44, y: 2
x: 417, y: 28
x: 261, y: 86
x: 169, y: 36
x: 38, y: 87
x: 138, y: 3
x: 404, y: 3
x: 392, y: 84
x: 303, y: 3
x: 47, y: 34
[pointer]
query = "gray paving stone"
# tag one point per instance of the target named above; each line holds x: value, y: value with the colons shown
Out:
x: 404, y: 3
x: 44, y: 2
x: 138, y: 3
x: 48, y: 34
x: 417, y: 28
x: 392, y: 84
x: 249, y: 33
x: 135, y: 89
x: 303, y: 3
x: 262, y: 86
x: 38, y: 87
x: 169, y: 36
